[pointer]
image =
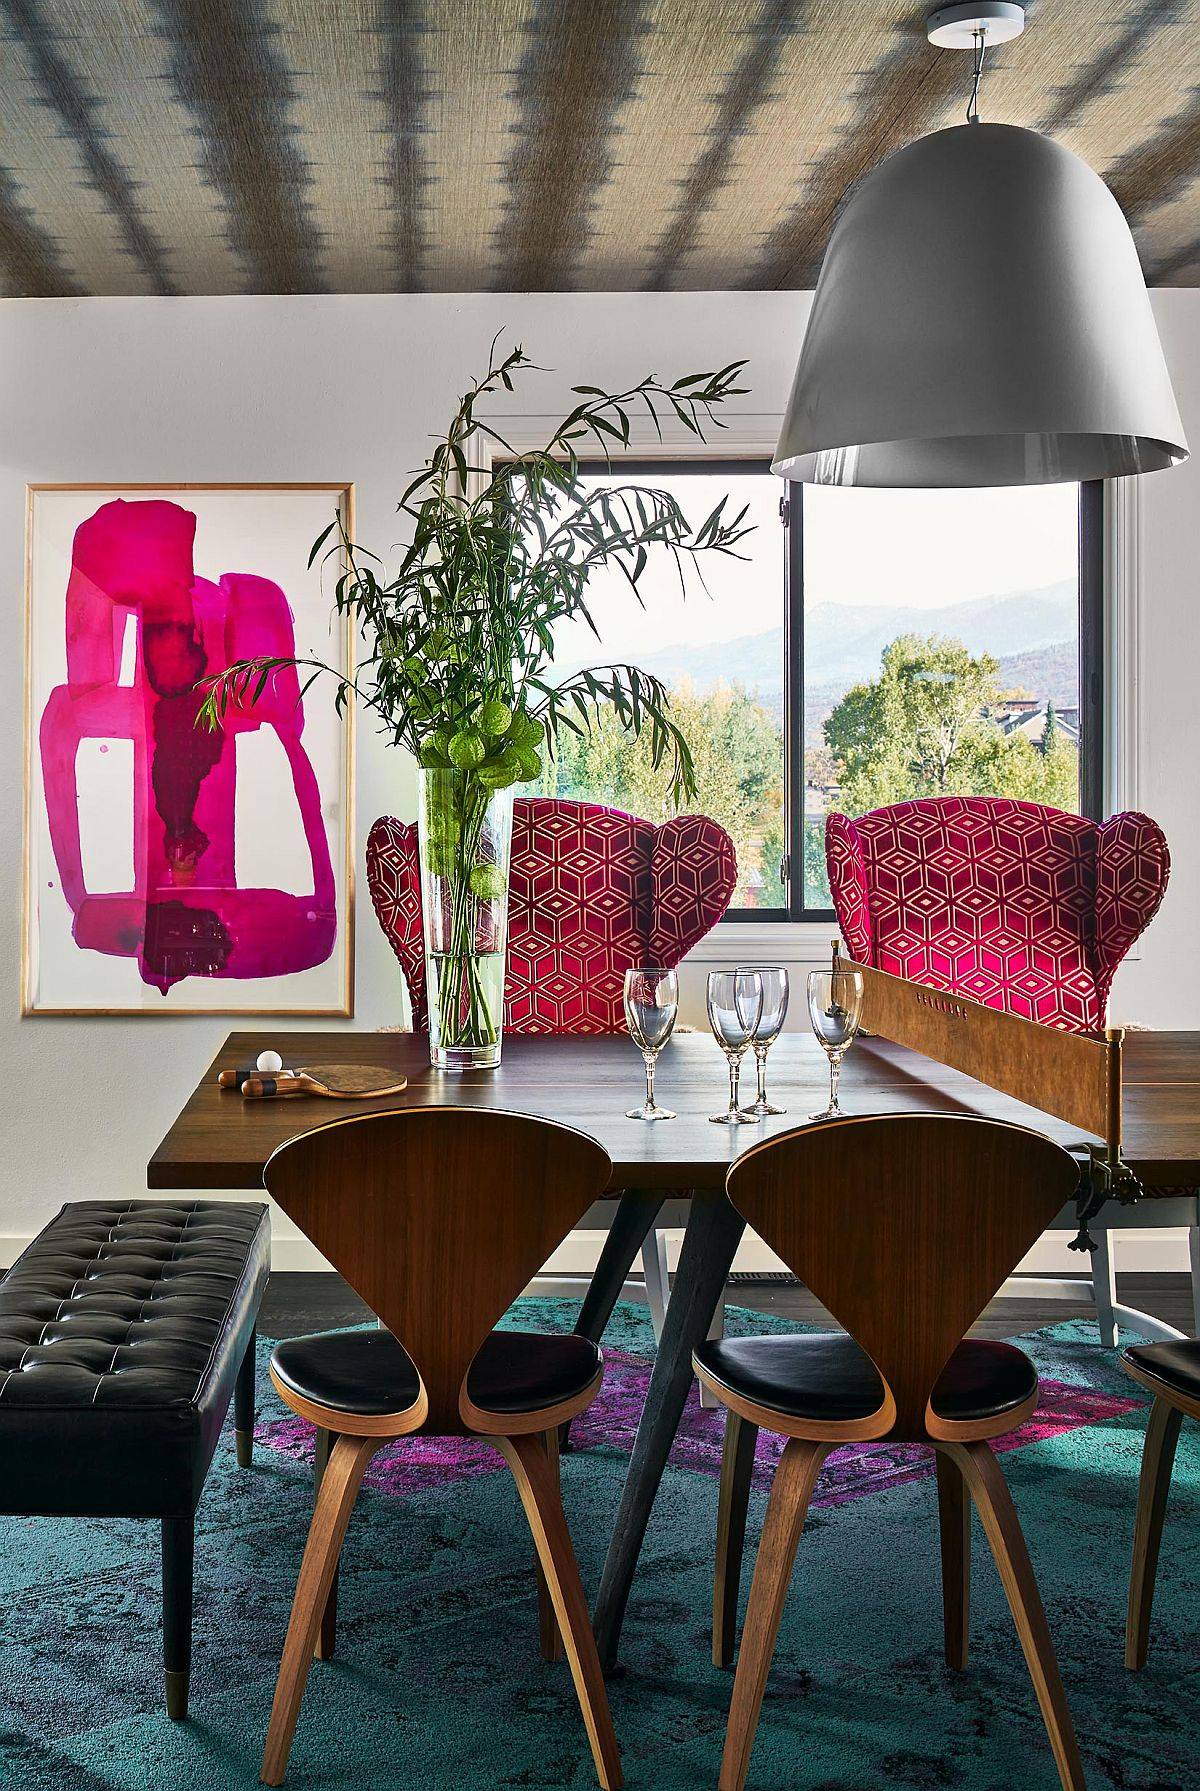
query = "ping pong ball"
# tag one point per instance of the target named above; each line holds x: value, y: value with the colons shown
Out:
x: 269, y: 1062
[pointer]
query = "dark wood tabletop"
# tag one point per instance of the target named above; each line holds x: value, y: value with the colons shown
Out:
x: 221, y: 1141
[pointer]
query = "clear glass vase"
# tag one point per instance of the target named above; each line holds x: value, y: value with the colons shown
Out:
x: 464, y: 832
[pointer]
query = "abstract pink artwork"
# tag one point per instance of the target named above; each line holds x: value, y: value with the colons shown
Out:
x: 145, y: 618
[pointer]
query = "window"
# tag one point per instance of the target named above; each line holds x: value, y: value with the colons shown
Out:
x: 872, y: 646
x: 720, y: 650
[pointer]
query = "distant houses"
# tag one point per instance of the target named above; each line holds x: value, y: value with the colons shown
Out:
x: 1013, y: 715
x: 1028, y: 716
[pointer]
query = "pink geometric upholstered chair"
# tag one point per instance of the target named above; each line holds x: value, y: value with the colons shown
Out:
x: 1018, y: 906
x: 593, y: 892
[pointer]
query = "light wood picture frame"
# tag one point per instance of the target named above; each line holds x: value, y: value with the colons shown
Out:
x: 167, y: 869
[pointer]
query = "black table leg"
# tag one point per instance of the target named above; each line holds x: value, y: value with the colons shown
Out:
x: 713, y: 1232
x: 635, y: 1214
x: 243, y: 1407
x: 177, y: 1552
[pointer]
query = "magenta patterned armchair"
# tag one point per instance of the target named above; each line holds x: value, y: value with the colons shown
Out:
x: 593, y: 893
x: 1020, y: 907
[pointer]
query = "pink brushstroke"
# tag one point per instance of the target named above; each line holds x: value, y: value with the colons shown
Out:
x: 185, y: 915
x: 849, y: 1473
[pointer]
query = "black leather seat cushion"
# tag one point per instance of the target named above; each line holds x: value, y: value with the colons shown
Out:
x: 826, y: 1376
x: 122, y: 1327
x: 369, y: 1373
x: 1176, y: 1365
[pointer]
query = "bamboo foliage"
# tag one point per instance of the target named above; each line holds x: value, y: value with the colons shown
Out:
x: 456, y: 643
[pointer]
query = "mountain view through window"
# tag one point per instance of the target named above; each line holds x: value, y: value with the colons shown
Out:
x: 933, y: 649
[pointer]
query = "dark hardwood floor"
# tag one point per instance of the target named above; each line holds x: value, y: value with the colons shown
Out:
x: 296, y: 1303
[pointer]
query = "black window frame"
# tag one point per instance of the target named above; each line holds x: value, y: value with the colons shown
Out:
x: 1092, y: 654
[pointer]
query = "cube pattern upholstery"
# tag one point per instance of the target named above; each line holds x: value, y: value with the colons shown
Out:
x: 122, y: 1328
x: 592, y: 893
x: 1018, y: 906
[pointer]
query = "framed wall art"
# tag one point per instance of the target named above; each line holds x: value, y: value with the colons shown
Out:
x: 170, y: 869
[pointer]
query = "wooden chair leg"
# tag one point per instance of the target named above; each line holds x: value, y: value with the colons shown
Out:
x: 335, y: 1501
x: 989, y: 1490
x: 1104, y: 1285
x: 538, y: 1487
x: 708, y: 1399
x: 787, y: 1507
x: 737, y: 1466
x: 1158, y: 1458
x: 549, y: 1634
x: 954, y: 1518
x: 658, y: 1280
x: 327, y: 1634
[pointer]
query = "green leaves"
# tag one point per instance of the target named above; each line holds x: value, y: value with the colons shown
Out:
x: 453, y: 645
x: 320, y: 541
x: 641, y: 703
x: 926, y: 727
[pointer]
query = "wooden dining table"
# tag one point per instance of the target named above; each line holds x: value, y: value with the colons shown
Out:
x: 220, y: 1141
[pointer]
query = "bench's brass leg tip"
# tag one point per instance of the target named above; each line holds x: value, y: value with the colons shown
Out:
x: 245, y: 1447
x: 177, y: 1695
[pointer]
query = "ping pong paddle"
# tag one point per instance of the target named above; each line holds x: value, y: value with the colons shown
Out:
x: 332, y: 1081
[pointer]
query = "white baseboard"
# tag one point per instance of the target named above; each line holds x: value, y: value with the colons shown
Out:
x: 1163, y: 1251
x: 292, y: 1255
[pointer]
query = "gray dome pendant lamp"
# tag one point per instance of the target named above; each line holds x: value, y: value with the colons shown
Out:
x: 981, y: 318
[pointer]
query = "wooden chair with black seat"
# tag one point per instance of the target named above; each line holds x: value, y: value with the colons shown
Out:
x: 1171, y: 1371
x: 903, y: 1227
x: 439, y: 1218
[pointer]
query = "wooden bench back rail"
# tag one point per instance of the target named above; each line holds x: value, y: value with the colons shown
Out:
x: 1075, y: 1076
x: 438, y: 1217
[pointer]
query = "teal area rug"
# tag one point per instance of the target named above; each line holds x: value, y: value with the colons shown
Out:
x: 439, y: 1685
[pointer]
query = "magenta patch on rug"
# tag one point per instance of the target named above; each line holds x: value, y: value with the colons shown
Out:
x: 611, y: 1421
x: 413, y: 1465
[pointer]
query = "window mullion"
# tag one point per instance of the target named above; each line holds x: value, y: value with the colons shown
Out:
x: 792, y: 513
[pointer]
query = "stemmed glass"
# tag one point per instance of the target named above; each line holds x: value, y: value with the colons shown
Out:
x: 774, y: 1012
x: 835, y: 1005
x: 735, y: 1002
x: 651, y: 1004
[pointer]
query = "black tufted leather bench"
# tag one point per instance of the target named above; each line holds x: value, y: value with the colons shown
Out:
x: 125, y: 1330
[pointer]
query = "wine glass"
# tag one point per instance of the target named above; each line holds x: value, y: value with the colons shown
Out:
x: 774, y: 1012
x: 835, y: 1005
x: 651, y: 1004
x: 735, y: 1001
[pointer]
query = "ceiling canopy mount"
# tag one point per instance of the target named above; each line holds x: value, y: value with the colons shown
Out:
x: 960, y: 27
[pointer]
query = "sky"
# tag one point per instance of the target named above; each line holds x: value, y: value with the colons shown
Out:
x: 922, y: 549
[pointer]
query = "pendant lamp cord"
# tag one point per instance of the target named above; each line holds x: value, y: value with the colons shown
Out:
x: 977, y: 76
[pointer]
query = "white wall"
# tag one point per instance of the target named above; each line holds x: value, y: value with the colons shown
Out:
x: 352, y: 388
x: 1161, y: 988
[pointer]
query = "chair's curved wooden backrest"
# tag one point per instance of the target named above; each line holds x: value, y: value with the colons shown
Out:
x: 904, y: 1226
x: 438, y: 1217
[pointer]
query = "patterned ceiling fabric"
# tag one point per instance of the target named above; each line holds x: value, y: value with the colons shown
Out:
x: 1018, y: 906
x: 594, y: 893
x: 173, y: 146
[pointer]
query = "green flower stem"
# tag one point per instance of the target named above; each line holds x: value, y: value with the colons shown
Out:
x: 466, y: 1015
